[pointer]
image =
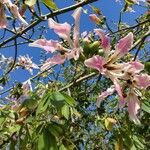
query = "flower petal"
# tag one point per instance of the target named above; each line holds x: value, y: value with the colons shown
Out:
x: 15, y: 12
x: 49, y: 46
x: 56, y: 59
x: 76, y: 32
x: 142, y: 81
x: 105, y: 41
x: 74, y: 53
x: 135, y: 67
x: 95, y: 62
x: 122, y: 48
x: 63, y: 30
x: 119, y: 91
x: 105, y: 94
x: 133, y: 107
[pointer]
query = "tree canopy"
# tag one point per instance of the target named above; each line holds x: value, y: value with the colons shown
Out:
x: 74, y: 75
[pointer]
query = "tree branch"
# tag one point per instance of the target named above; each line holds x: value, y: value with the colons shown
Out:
x: 49, y: 15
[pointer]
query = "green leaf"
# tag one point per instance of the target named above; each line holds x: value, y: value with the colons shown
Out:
x: 55, y: 129
x: 145, y: 107
x: 30, y: 2
x: 57, y: 99
x: 69, y: 99
x: 65, y: 111
x: 44, y: 103
x: 47, y: 141
x: 138, y: 142
x: 50, y: 4
x: 147, y: 67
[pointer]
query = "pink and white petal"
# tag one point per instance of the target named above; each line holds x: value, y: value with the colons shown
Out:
x: 76, y: 32
x: 134, y: 67
x: 105, y: 41
x: 119, y: 91
x: 3, y: 20
x: 74, y: 53
x: 49, y: 46
x: 95, y: 62
x: 133, y: 107
x: 55, y: 60
x: 142, y: 81
x: 123, y: 46
x: 15, y: 12
x: 105, y: 94
x: 62, y: 30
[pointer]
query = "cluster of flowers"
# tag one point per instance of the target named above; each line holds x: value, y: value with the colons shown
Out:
x: 126, y: 77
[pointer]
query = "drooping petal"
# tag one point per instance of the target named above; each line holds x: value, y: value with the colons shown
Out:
x: 105, y: 41
x: 95, y: 62
x: 76, y: 32
x: 49, y: 46
x: 142, y: 81
x: 133, y: 107
x: 56, y: 59
x: 105, y: 94
x: 63, y: 30
x: 122, y: 48
x: 119, y: 91
x: 3, y: 20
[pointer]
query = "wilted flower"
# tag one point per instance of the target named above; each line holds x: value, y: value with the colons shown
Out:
x: 26, y: 63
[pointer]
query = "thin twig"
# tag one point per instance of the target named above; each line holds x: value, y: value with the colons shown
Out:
x: 45, y: 17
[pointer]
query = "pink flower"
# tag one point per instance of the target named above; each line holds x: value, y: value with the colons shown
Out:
x: 62, y: 30
x: 106, y: 65
x: 126, y: 77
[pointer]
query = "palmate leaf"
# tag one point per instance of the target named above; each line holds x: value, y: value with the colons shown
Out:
x: 50, y: 4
